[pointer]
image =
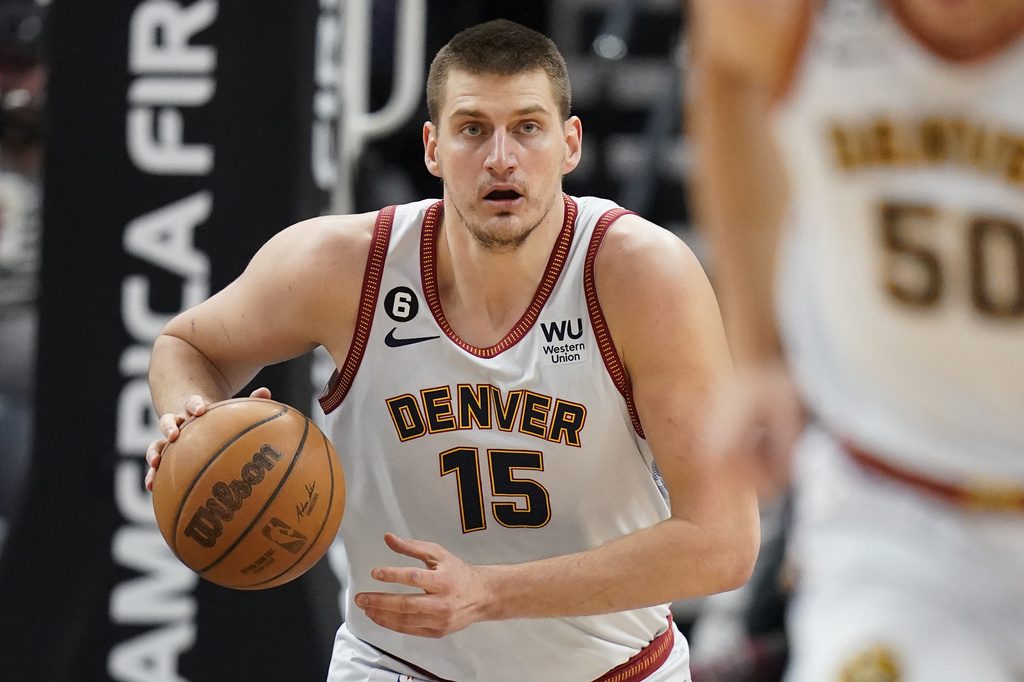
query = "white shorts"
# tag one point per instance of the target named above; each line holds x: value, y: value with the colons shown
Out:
x: 354, y: 660
x: 893, y: 584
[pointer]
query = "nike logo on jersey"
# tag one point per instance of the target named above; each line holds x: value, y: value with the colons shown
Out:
x: 392, y: 342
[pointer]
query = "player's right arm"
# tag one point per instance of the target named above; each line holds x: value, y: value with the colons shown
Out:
x: 300, y: 290
x: 742, y: 53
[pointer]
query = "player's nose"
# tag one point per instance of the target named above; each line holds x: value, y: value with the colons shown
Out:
x: 501, y: 156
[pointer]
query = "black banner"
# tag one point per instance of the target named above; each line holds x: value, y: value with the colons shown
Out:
x: 182, y: 135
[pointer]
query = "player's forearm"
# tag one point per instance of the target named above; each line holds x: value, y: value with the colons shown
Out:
x: 740, y: 198
x: 670, y: 561
x: 177, y: 371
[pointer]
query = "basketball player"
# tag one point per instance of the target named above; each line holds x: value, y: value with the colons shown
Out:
x: 878, y: 149
x: 521, y: 378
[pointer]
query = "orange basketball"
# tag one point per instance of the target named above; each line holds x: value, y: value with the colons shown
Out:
x: 250, y: 495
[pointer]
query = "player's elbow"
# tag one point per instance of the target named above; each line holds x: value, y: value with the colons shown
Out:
x: 735, y: 557
x: 721, y: 560
x: 738, y: 564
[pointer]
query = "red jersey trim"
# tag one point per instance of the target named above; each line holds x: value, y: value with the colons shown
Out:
x: 428, y: 270
x: 990, y: 498
x: 645, y: 663
x: 342, y: 379
x: 604, y: 338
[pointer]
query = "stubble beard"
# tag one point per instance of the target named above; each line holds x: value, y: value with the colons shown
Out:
x: 499, y: 242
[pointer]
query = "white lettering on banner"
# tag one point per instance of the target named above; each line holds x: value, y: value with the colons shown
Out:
x: 186, y: 92
x: 166, y: 154
x: 324, y: 162
x: 152, y: 656
x: 160, y: 595
x: 132, y: 500
x: 160, y: 33
x: 134, y: 410
x: 165, y: 238
x: 134, y: 360
x: 169, y: 74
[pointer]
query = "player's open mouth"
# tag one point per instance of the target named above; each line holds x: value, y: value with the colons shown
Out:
x: 502, y: 195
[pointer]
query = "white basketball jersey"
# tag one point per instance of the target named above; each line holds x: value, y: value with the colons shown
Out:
x: 521, y: 451
x: 902, y: 288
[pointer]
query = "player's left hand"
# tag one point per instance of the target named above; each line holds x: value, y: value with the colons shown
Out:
x: 170, y: 423
x: 454, y: 593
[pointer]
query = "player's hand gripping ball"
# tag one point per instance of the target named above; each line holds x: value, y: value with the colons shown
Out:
x: 250, y: 495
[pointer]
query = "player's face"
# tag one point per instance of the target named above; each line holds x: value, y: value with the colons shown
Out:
x: 501, y: 148
x: 967, y: 28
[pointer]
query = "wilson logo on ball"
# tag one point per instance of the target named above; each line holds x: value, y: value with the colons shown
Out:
x: 241, y: 513
x: 207, y: 523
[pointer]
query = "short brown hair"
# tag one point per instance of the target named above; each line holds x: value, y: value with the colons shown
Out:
x: 502, y: 48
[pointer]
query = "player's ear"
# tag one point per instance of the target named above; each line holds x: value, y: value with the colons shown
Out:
x: 573, y: 130
x: 430, y: 149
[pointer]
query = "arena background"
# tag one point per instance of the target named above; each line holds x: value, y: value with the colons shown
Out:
x: 180, y: 135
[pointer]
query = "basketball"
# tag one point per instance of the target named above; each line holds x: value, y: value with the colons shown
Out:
x: 250, y: 495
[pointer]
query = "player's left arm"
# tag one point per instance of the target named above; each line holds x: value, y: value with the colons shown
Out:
x: 665, y: 321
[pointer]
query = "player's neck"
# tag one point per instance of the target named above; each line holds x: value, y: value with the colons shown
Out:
x: 962, y: 30
x: 484, y: 292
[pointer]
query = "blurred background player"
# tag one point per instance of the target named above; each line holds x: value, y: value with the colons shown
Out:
x: 22, y: 97
x: 876, y: 149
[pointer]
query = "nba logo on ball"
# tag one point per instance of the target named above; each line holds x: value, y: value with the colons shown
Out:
x: 250, y: 495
